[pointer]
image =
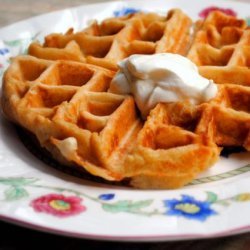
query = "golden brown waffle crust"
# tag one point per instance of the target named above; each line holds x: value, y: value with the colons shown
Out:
x: 60, y: 93
x: 74, y: 123
x: 108, y: 42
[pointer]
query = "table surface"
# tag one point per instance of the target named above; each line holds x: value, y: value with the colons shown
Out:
x: 15, y: 10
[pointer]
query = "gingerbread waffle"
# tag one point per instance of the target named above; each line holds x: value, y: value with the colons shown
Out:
x: 114, y: 39
x: 67, y: 103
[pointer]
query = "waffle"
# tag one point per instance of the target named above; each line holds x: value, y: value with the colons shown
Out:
x: 67, y: 106
x: 61, y: 94
x: 114, y: 39
x: 221, y: 49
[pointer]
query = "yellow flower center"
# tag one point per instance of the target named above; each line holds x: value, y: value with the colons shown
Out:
x: 59, y: 205
x: 243, y: 197
x: 188, y: 208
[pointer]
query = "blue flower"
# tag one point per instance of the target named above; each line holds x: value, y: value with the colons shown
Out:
x: 4, y: 51
x: 125, y: 11
x: 106, y: 197
x: 189, y: 208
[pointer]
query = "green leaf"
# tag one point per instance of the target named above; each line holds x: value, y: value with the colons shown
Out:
x: 20, y: 181
x: 14, y: 43
x: 22, y: 41
x: 248, y: 21
x: 126, y: 206
x: 15, y: 193
x: 211, y: 197
x: 223, y: 203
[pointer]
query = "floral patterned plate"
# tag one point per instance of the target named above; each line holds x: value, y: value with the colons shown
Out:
x: 35, y: 195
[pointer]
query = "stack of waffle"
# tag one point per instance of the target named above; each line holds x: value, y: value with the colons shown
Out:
x: 60, y: 92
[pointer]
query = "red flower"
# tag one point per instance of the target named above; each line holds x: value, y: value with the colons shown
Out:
x: 204, y: 13
x: 58, y: 205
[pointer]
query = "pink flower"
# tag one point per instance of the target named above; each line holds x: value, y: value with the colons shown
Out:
x: 58, y: 205
x: 204, y: 13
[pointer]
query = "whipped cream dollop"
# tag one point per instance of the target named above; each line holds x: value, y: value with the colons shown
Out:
x: 162, y: 77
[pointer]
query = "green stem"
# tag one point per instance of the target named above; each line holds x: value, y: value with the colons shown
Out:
x: 68, y: 190
x: 224, y: 200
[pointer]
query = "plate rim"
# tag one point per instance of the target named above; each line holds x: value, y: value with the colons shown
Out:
x: 120, y: 238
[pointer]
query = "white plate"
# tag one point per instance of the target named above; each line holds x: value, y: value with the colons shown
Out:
x: 35, y: 195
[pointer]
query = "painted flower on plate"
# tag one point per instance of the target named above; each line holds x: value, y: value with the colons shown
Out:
x: 125, y: 11
x: 4, y: 51
x: 205, y: 12
x: 189, y: 207
x: 106, y: 197
x: 58, y: 205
